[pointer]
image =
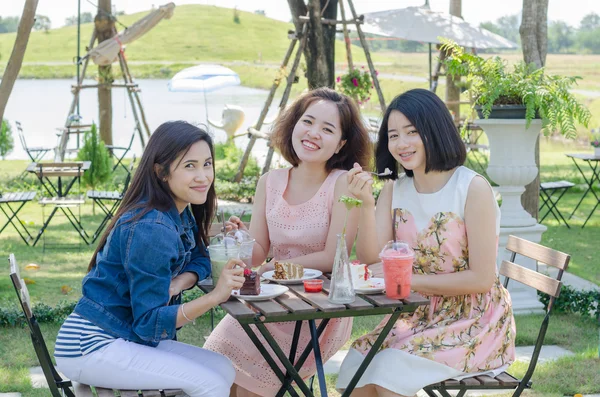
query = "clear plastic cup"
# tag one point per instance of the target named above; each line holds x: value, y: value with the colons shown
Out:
x: 397, y: 258
x: 219, y: 256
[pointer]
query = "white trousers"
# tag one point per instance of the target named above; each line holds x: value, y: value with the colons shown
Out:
x: 170, y: 365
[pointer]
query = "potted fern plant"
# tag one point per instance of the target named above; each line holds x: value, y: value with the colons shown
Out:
x: 521, y: 93
x: 514, y: 105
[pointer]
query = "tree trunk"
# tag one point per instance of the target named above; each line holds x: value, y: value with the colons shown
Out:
x: 105, y: 29
x: 18, y: 53
x: 534, y: 41
x: 534, y: 31
x: 320, y: 46
x: 452, y: 91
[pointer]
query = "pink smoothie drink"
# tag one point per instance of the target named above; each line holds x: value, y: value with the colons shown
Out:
x: 397, y: 269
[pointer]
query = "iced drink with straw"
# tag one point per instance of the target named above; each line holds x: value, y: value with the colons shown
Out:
x: 219, y: 256
x: 397, y: 258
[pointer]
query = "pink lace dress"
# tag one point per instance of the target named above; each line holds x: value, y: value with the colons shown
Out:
x: 455, y: 336
x: 294, y: 230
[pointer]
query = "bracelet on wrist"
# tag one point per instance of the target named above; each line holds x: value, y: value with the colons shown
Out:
x: 183, y: 313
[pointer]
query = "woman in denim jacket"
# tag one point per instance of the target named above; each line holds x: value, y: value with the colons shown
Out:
x: 121, y: 332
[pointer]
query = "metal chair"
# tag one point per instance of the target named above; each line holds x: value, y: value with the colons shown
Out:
x: 60, y: 387
x: 125, y: 150
x: 109, y: 201
x: 19, y: 199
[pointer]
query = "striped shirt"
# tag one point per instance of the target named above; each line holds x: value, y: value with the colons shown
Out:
x: 78, y: 337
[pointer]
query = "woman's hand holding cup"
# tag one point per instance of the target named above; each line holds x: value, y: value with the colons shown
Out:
x: 232, y: 277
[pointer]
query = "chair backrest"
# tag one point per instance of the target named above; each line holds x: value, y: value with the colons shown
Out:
x: 21, y: 136
x: 548, y: 285
x: 56, y: 384
x: 128, y: 177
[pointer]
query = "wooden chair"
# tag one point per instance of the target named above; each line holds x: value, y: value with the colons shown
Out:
x: 548, y: 285
x: 60, y: 387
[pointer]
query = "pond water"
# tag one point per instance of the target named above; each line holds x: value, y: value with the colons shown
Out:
x: 42, y: 105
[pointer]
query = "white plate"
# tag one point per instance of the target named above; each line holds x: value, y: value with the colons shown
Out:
x: 309, y: 274
x: 372, y: 286
x: 267, y: 291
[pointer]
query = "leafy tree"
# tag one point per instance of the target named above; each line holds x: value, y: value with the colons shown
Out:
x: 93, y: 150
x: 561, y: 37
x: 9, y: 24
x: 42, y: 22
x: 506, y: 26
x: 589, y: 41
x: 590, y: 22
x: 6, y: 139
x: 86, y: 17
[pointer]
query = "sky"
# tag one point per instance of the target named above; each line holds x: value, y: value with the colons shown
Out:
x: 474, y: 11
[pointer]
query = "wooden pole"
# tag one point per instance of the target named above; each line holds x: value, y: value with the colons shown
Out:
x: 346, y: 37
x: 138, y: 126
x: 136, y: 96
x: 286, y: 93
x: 365, y: 46
x: 18, y: 53
x: 105, y: 28
x: 265, y: 109
x: 59, y: 152
x: 452, y: 91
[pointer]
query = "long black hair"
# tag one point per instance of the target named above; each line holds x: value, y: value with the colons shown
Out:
x: 444, y: 149
x: 149, y: 191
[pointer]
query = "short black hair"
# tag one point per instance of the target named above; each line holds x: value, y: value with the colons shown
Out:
x: 444, y: 148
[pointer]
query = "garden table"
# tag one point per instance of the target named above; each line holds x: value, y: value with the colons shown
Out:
x: 72, y: 172
x: 592, y: 161
x: 299, y: 306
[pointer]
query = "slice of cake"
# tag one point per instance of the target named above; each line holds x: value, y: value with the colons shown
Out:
x: 288, y: 271
x: 251, y: 284
x: 360, y: 274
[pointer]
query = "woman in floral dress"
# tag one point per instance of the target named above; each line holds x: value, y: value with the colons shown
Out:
x: 449, y: 215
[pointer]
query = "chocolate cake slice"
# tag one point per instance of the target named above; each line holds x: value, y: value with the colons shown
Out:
x: 251, y: 284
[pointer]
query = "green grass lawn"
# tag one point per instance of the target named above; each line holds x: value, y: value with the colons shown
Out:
x: 67, y: 265
x: 567, y: 376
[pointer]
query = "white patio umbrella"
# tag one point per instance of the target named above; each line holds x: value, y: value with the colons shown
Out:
x: 204, y: 78
x: 423, y: 25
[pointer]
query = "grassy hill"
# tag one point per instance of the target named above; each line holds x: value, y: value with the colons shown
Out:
x: 194, y: 33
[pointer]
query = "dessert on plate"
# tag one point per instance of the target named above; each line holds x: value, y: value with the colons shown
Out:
x: 251, y: 284
x: 288, y: 271
x: 361, y: 274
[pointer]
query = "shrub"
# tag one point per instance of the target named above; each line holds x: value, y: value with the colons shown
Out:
x: 93, y: 150
x: 228, y: 159
x: 570, y: 300
x: 6, y: 139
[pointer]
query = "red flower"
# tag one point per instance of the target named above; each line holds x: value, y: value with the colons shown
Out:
x: 355, y: 82
x: 338, y: 79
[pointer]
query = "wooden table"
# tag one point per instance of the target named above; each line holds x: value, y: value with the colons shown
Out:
x: 298, y: 306
x: 592, y: 162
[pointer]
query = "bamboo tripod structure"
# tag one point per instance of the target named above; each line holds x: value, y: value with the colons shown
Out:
x: 132, y: 92
x: 254, y: 133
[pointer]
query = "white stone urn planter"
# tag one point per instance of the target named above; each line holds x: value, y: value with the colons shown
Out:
x: 512, y: 164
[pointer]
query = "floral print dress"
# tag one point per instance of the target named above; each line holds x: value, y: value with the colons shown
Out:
x: 454, y: 336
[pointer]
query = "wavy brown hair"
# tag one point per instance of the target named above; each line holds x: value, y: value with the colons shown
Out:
x: 148, y: 189
x: 358, y: 147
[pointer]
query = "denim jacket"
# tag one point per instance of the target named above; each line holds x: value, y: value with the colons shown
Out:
x: 127, y: 292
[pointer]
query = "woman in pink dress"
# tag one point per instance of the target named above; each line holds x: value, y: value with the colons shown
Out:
x: 296, y: 215
x: 449, y: 215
